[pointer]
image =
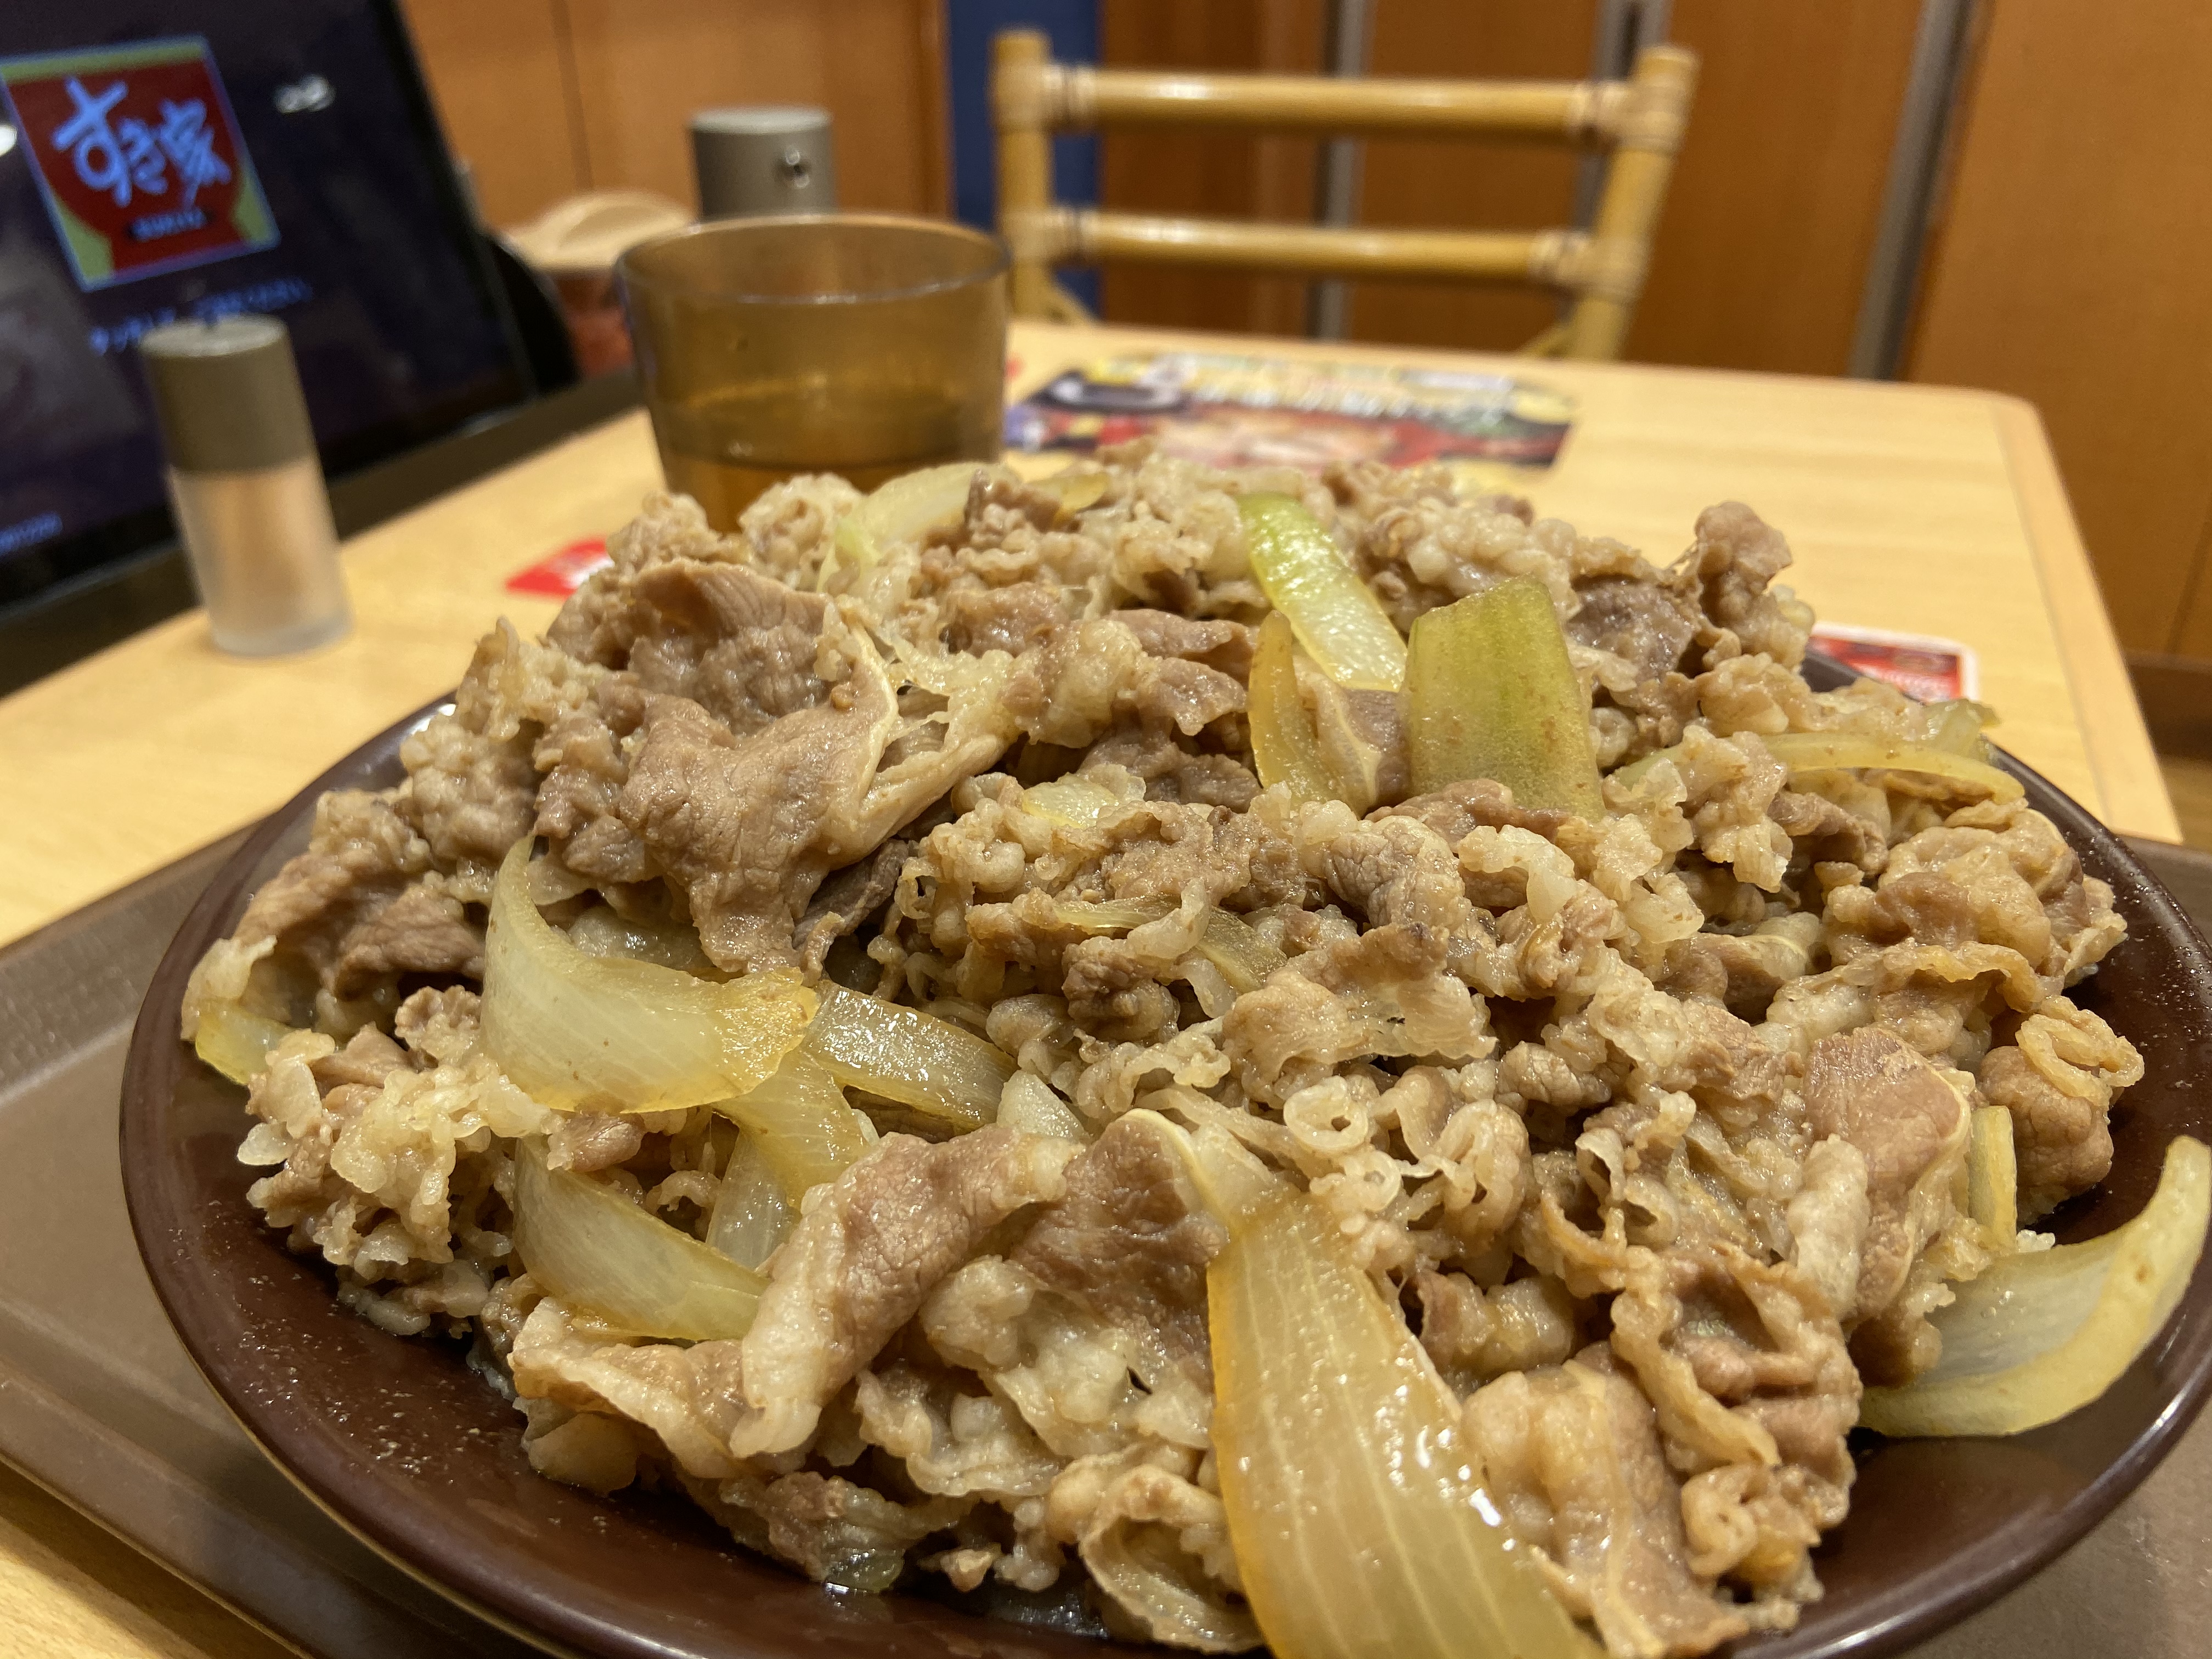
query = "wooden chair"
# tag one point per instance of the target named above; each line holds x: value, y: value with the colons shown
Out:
x: 1639, y: 120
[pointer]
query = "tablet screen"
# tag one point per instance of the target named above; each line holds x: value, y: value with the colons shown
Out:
x: 161, y: 160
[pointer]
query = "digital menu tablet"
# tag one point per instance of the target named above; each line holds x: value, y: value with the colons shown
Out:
x: 172, y: 159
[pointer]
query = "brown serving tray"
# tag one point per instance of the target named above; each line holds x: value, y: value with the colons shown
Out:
x: 97, y: 1402
x: 100, y: 1404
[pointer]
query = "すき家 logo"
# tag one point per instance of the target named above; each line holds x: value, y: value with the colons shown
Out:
x: 139, y: 158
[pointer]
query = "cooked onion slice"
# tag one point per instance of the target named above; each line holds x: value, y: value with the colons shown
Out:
x: 1075, y: 491
x: 751, y: 1215
x: 1080, y: 802
x: 1355, y: 1504
x: 798, y: 1121
x: 900, y: 511
x: 1029, y: 1104
x: 599, y: 931
x: 1829, y: 752
x: 1110, y: 915
x: 1337, y: 617
x: 1226, y: 940
x: 1490, y: 694
x: 1821, y: 751
x: 1284, y: 747
x: 2044, y: 1333
x: 1071, y: 799
x: 602, y: 1254
x: 1234, y: 945
x: 1993, y: 1178
x: 903, y: 1054
x: 613, y: 1033
x: 236, y: 1041
x: 1957, y: 726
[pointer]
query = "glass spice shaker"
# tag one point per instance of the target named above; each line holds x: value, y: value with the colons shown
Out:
x: 245, y: 484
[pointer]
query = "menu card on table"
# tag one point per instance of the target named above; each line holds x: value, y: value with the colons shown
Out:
x: 1223, y: 410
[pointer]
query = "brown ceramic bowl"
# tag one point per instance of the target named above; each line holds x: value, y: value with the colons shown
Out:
x: 417, y: 1454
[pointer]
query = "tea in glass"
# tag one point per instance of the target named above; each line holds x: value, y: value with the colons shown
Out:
x: 864, y: 346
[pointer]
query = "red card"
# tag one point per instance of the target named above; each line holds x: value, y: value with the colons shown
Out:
x: 138, y: 156
x: 559, y: 575
x: 1933, y: 670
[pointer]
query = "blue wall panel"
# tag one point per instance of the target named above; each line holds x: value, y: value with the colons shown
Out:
x: 1073, y: 26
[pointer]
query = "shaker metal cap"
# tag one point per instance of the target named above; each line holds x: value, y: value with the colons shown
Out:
x: 763, y: 159
x: 227, y: 394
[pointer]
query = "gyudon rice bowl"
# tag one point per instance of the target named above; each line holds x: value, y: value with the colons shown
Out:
x: 1134, y: 1036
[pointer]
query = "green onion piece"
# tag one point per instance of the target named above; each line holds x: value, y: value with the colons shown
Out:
x: 1336, y: 615
x: 1284, y: 747
x: 1490, y: 694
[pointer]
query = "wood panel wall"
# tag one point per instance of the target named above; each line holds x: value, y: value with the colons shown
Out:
x: 1209, y: 175
x: 545, y: 98
x: 1500, y: 186
x: 502, y: 75
x: 1761, y: 256
x: 2071, y: 269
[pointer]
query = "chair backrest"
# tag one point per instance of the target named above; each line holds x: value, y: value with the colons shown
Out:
x: 1639, y: 120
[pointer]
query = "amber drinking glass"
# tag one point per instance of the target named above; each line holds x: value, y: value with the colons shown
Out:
x: 860, y: 345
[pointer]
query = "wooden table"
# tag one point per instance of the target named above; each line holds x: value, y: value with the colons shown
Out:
x: 1910, y: 507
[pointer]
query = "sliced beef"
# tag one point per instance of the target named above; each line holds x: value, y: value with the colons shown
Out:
x: 1457, y: 809
x: 1870, y: 1089
x: 1648, y: 624
x: 1573, y: 1459
x: 740, y: 824
x: 586, y: 764
x: 1130, y: 1241
x: 743, y: 648
x: 1011, y: 618
x: 1090, y: 676
x: 423, y: 930
x: 761, y: 761
x: 361, y: 906
x: 691, y: 1398
x: 845, y: 901
x: 1725, y: 575
x: 1173, y: 771
x: 865, y: 1254
x: 1213, y: 640
x: 601, y: 619
x: 2063, y: 1141
x: 468, y: 793
x: 1823, y: 832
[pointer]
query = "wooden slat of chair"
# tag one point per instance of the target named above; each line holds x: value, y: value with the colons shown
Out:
x: 1640, y: 120
x: 1076, y: 96
x: 1084, y: 236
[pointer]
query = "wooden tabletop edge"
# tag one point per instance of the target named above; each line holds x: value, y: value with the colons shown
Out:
x: 2132, y: 789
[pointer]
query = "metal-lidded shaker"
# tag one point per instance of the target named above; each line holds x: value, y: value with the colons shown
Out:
x: 245, y: 485
x: 764, y: 158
